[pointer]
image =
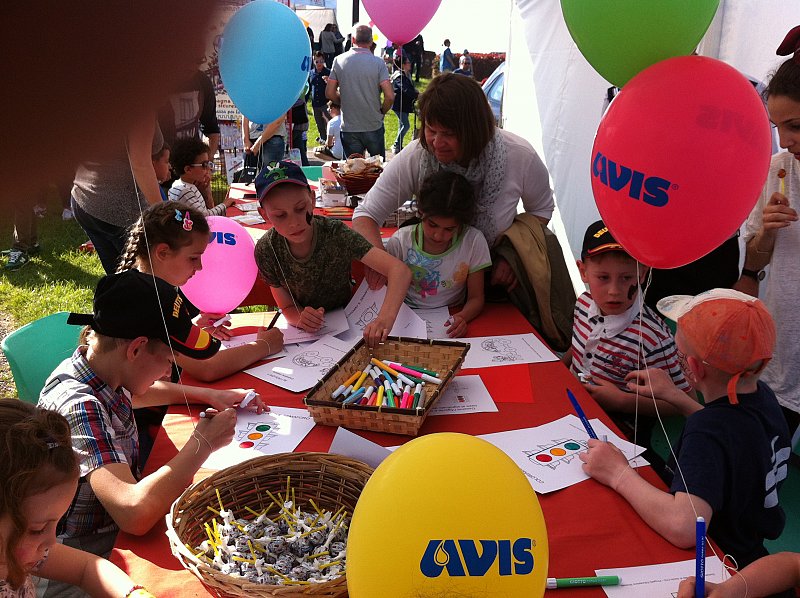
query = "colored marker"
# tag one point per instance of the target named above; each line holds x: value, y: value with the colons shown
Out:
x: 571, y: 582
x: 226, y: 319
x: 209, y: 413
x: 274, y: 320
x: 352, y: 379
x: 383, y: 366
x: 379, y: 399
x: 248, y: 398
x: 355, y: 396
x: 418, y: 369
x: 338, y: 391
x: 361, y: 378
x: 700, y: 559
x: 426, y: 377
x: 410, y: 380
x: 581, y: 414
x: 389, y: 395
x: 417, y: 394
x: 367, y: 395
x: 397, y: 389
x: 404, y: 400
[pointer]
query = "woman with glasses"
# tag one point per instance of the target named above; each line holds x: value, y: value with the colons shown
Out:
x: 109, y: 194
x: 190, y: 161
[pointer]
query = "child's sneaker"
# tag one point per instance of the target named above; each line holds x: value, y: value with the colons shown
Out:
x: 66, y: 214
x: 17, y: 259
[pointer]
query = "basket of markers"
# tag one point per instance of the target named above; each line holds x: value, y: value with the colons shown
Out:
x: 272, y: 526
x: 390, y: 389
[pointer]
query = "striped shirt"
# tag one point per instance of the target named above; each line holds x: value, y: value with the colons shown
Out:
x: 609, y: 348
x: 190, y: 195
x: 103, y: 432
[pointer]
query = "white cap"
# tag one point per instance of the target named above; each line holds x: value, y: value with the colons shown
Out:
x: 675, y: 306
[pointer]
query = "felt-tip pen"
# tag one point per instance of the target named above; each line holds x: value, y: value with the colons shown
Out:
x: 572, y: 582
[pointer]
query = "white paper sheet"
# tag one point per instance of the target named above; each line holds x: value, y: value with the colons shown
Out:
x: 464, y: 394
x: 364, y: 307
x: 348, y: 444
x: 247, y: 206
x: 659, y: 581
x: 548, y: 454
x: 490, y: 351
x: 243, y: 339
x: 249, y: 219
x: 435, y: 319
x: 335, y: 322
x: 278, y: 431
x: 303, y: 366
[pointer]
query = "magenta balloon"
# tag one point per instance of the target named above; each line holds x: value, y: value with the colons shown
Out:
x: 229, y: 268
x: 680, y: 159
x: 401, y: 21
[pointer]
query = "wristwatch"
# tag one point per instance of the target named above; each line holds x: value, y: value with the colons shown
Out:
x: 757, y: 275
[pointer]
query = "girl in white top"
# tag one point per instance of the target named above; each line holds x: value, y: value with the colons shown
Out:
x: 446, y: 255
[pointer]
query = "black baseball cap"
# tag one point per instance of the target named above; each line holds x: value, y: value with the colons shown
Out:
x: 133, y: 304
x: 276, y: 173
x: 597, y: 240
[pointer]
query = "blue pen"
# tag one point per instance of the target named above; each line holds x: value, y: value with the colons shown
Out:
x: 700, y: 559
x: 581, y: 414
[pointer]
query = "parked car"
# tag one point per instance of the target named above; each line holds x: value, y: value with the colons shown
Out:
x: 493, y: 88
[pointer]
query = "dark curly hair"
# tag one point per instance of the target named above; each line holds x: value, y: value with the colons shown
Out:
x: 447, y: 194
x: 185, y: 152
x: 35, y: 455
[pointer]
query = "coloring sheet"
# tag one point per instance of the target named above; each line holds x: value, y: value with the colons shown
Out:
x: 548, y: 454
x: 279, y: 430
x: 247, y: 206
x: 464, y: 394
x: 435, y: 319
x: 304, y: 365
x: 243, y: 339
x: 364, y: 307
x: 489, y: 351
x: 248, y: 219
x: 348, y: 444
x: 659, y: 581
x: 335, y: 322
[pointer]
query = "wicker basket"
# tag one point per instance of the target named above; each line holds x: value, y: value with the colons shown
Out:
x: 331, y: 481
x: 443, y: 357
x: 356, y: 184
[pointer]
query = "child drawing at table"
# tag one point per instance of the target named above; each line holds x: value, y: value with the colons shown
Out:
x: 138, y: 323
x: 306, y: 259
x: 732, y: 455
x: 765, y: 577
x: 168, y: 241
x: 447, y: 257
x: 38, y: 477
x: 191, y: 162
x: 612, y: 336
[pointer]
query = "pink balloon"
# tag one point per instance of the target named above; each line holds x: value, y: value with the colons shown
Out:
x: 229, y: 268
x: 401, y: 21
x: 680, y: 159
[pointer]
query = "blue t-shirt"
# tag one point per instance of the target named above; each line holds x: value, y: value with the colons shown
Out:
x: 735, y: 458
x: 446, y: 61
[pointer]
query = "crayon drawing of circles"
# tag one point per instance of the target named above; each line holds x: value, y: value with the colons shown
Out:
x: 263, y: 428
x: 543, y: 458
x: 255, y: 436
x: 246, y: 445
x: 558, y: 452
x: 572, y: 446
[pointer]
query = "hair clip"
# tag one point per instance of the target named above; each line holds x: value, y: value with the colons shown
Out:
x: 51, y: 443
x: 185, y: 219
x: 790, y: 44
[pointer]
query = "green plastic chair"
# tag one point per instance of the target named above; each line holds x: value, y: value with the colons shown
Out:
x: 34, y: 351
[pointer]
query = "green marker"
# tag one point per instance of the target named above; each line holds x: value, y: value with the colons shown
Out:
x: 572, y: 582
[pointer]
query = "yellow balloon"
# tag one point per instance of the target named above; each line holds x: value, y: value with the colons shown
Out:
x: 447, y: 514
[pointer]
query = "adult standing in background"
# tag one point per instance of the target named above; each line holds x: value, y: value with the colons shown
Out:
x: 464, y: 67
x: 264, y: 143
x: 356, y: 82
x: 109, y: 195
x: 415, y: 50
x: 459, y: 134
x: 338, y: 43
x: 192, y: 112
x: 446, y: 60
x: 405, y: 95
x: 318, y: 81
x: 327, y: 44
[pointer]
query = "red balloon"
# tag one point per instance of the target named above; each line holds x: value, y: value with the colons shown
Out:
x: 679, y: 159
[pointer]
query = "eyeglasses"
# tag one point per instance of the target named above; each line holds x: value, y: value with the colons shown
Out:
x: 209, y: 164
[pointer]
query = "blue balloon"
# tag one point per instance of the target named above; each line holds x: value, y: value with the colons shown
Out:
x: 264, y: 59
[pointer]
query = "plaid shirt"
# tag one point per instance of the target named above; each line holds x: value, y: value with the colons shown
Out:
x: 103, y: 432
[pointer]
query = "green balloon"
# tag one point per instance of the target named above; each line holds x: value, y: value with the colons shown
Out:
x: 620, y: 38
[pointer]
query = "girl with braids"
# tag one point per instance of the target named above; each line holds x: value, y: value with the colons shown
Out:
x: 38, y: 478
x: 446, y: 255
x: 168, y: 242
x: 773, y: 235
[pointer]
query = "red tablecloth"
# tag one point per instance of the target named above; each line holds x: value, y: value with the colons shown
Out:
x: 589, y: 526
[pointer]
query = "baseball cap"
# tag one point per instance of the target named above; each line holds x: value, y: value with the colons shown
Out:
x: 276, y: 173
x: 597, y: 240
x: 729, y: 330
x: 133, y: 304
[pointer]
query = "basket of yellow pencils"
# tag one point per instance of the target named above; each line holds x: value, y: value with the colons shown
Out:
x: 390, y: 389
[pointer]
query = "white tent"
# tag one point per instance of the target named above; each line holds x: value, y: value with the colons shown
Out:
x: 554, y: 98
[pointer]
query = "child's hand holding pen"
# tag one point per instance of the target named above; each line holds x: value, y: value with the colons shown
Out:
x: 456, y: 326
x: 272, y: 338
x: 376, y: 331
x: 208, y: 322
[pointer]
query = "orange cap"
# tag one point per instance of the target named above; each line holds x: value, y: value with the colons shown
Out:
x: 728, y: 330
